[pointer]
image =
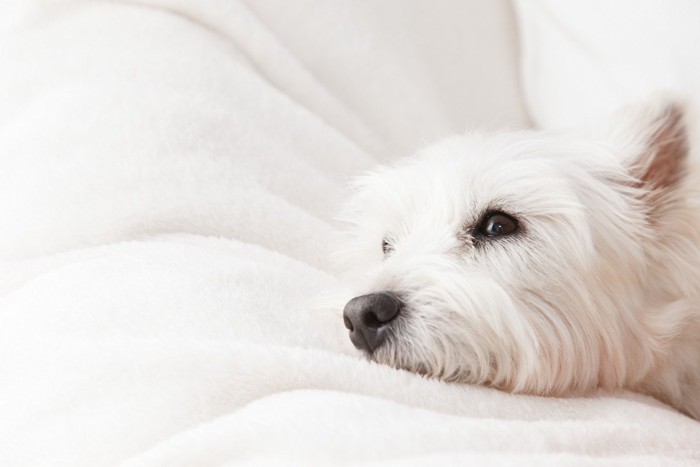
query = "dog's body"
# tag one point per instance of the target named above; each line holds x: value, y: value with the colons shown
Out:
x: 544, y: 263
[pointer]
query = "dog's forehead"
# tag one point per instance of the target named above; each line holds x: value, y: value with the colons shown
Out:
x: 479, y: 172
x: 454, y: 183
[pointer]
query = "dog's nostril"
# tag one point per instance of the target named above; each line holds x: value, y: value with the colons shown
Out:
x: 369, y: 319
x: 380, y: 309
x: 348, y: 323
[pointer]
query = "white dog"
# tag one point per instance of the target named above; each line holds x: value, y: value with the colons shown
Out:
x: 547, y: 263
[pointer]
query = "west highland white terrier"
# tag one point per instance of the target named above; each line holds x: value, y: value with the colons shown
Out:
x: 548, y: 263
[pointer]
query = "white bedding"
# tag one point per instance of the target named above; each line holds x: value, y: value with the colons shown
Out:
x: 169, y: 172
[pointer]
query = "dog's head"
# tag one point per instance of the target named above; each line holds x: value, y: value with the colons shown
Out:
x: 516, y: 260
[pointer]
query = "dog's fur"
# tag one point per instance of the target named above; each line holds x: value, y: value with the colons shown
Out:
x: 600, y: 287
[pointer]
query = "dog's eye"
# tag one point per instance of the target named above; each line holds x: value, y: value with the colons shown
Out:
x: 386, y: 246
x: 496, y: 224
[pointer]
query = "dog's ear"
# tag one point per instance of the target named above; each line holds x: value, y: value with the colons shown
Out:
x: 656, y: 146
x: 661, y: 165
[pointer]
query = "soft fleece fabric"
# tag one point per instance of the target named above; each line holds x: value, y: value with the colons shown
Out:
x: 169, y: 172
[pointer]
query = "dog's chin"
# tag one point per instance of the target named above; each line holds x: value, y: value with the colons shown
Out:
x: 384, y: 356
x: 392, y: 354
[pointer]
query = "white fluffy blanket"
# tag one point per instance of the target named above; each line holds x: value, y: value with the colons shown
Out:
x: 169, y: 171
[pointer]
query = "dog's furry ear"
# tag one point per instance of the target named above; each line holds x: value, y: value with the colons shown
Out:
x: 656, y: 146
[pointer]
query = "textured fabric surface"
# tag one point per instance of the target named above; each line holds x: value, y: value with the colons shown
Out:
x: 169, y: 172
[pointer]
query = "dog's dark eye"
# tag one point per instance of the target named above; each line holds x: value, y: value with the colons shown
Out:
x: 386, y: 247
x: 496, y: 224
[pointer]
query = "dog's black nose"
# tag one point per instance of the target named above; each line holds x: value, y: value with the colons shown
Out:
x: 368, y: 317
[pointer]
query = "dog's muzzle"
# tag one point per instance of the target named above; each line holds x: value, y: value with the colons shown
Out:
x: 369, y: 317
